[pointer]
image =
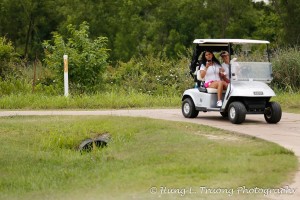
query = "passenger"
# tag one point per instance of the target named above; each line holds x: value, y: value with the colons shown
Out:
x: 225, y: 65
x: 235, y: 67
x: 210, y: 71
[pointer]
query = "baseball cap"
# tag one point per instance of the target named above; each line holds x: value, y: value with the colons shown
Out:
x: 224, y: 53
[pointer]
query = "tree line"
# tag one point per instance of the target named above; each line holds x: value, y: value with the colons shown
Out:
x: 137, y: 28
x: 133, y: 45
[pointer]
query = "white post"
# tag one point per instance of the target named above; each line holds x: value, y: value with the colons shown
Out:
x: 66, y: 81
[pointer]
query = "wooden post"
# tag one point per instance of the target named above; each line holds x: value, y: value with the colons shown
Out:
x: 66, y: 81
x: 34, y: 74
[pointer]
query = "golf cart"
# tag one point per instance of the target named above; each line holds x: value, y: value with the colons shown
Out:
x: 247, y: 92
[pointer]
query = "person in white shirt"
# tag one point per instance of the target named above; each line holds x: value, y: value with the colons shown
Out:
x: 210, y: 70
x: 225, y: 65
x: 235, y: 67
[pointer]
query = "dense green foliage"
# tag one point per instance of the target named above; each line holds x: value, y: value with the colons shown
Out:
x: 140, y: 27
x: 151, y: 75
x: 289, y: 14
x: 286, y: 67
x: 149, y: 42
x: 88, y: 59
x: 7, y: 55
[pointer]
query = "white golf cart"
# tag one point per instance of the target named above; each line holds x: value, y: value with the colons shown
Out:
x: 247, y: 92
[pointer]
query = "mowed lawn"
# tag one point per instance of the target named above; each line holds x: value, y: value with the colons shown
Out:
x: 145, y: 159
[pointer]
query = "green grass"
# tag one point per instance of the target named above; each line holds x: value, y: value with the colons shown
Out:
x: 39, y: 160
x: 290, y: 102
x: 110, y: 100
x: 114, y: 100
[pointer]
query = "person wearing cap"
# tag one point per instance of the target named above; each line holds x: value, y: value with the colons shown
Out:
x: 210, y: 71
x: 235, y: 67
x: 225, y: 65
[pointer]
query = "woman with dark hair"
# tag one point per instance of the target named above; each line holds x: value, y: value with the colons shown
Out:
x: 212, y: 72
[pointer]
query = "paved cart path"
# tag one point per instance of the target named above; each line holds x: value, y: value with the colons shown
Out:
x: 286, y: 133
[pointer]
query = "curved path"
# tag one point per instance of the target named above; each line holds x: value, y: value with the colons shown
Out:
x: 286, y: 133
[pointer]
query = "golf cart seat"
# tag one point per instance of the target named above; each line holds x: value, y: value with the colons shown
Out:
x: 204, y: 89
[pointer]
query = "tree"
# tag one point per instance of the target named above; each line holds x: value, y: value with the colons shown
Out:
x: 289, y: 12
x: 27, y: 23
x: 141, y: 27
x: 268, y: 24
x: 87, y: 58
x: 6, y: 55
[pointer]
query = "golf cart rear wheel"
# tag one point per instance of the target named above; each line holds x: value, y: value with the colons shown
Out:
x: 273, y: 112
x: 188, y: 108
x: 237, y: 112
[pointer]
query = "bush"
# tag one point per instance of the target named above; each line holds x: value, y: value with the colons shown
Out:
x: 151, y: 75
x: 87, y: 58
x: 13, y: 85
x: 7, y: 54
x: 286, y: 69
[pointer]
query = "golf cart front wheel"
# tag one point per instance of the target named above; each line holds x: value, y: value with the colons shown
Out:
x: 273, y: 112
x: 237, y: 112
x: 188, y: 108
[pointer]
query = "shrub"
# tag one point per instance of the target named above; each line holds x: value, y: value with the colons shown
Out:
x: 87, y: 58
x: 286, y: 69
x: 13, y: 85
x: 151, y: 75
x: 7, y: 54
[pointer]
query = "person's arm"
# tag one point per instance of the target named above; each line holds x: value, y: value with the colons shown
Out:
x: 226, y: 79
x: 203, y: 72
x: 203, y: 69
x: 222, y: 74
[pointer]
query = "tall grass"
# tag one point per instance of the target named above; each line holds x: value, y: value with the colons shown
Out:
x: 151, y: 75
x: 112, y: 100
x: 118, y: 100
x: 289, y: 101
x: 286, y: 69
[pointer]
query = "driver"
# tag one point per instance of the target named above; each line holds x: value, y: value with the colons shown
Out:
x: 210, y: 71
x: 234, y: 66
x: 225, y: 65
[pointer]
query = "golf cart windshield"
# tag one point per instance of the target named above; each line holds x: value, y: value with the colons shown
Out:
x: 252, y: 71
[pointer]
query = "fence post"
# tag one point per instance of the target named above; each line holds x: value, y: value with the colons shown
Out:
x: 66, y: 81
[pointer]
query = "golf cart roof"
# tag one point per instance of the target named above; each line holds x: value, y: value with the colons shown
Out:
x: 227, y: 41
x: 217, y: 45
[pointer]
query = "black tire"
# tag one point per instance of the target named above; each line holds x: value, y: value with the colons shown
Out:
x: 188, y: 108
x: 273, y: 113
x: 237, y: 112
x: 224, y: 114
x: 86, y: 145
